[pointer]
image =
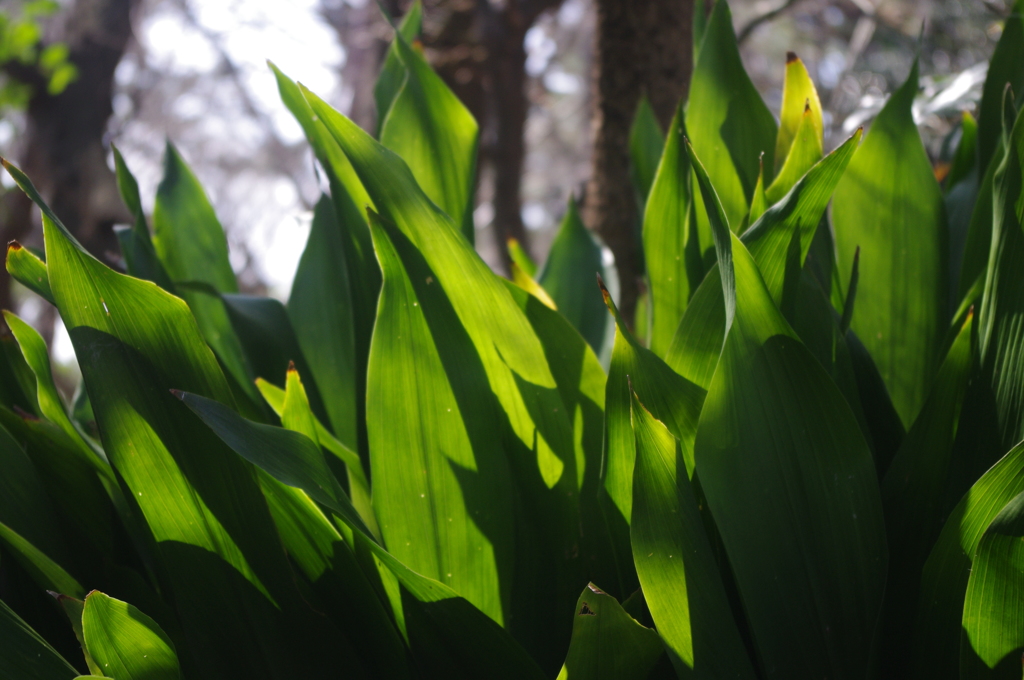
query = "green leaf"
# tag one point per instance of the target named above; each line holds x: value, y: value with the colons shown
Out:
x: 520, y: 257
x: 646, y: 141
x: 392, y: 73
x: 803, y: 154
x: 759, y: 203
x: 672, y: 245
x: 537, y: 434
x: 671, y: 398
x: 890, y: 206
x: 125, y: 643
x: 24, y: 654
x: 28, y: 270
x: 608, y: 643
x: 441, y: 494
x: 675, y: 561
x: 568, y: 277
x: 320, y: 309
x: 793, y: 490
x: 73, y: 608
x: 51, y: 406
x: 24, y: 505
x: 1005, y: 67
x: 44, y: 571
x: 728, y: 122
x: 216, y: 544
x: 938, y: 625
x: 993, y: 622
x: 192, y: 247
x: 1002, y: 304
x: 978, y: 241
x: 436, y: 135
x: 294, y: 460
x: 966, y: 158
x: 698, y: 340
x: 354, y: 249
x: 913, y: 491
x: 140, y: 256
x: 800, y: 107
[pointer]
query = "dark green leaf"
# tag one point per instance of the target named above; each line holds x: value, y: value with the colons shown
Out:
x: 1005, y: 67
x: 392, y: 73
x: 890, y: 206
x: 727, y: 120
x: 793, y: 490
x: 675, y: 562
x: 437, y: 137
x: 125, y: 643
x: 569, y: 278
x: 646, y: 141
x: 607, y: 643
x: 136, y: 244
x: 23, y: 654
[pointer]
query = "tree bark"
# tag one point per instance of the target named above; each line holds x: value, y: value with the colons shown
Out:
x: 63, y: 146
x: 643, y: 46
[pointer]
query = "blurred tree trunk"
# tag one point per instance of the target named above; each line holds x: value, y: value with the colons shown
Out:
x: 477, y: 47
x: 643, y: 46
x: 63, y: 148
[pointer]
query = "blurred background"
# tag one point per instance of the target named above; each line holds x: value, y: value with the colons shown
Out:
x: 80, y: 75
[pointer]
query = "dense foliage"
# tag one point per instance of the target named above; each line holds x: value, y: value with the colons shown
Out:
x: 803, y: 464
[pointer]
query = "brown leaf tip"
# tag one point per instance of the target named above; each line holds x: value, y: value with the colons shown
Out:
x: 604, y: 290
x: 178, y: 393
x: 13, y: 245
x: 791, y: 57
x: 807, y: 105
x: 291, y: 366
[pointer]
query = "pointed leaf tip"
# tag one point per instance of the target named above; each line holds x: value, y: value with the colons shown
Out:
x: 178, y: 393
x: 791, y: 57
x: 291, y: 366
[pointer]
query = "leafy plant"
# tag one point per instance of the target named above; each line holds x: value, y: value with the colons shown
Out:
x: 814, y: 467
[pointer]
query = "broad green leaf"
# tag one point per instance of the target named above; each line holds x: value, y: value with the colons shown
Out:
x: 392, y: 73
x: 670, y: 397
x: 216, y: 542
x: 1005, y: 67
x: 441, y: 489
x: 646, y: 141
x: 727, y: 121
x: 886, y: 428
x: 913, y: 491
x: 537, y: 435
x: 803, y: 154
x: 51, y: 406
x: 800, y: 106
x: 520, y: 257
x: 437, y: 137
x: 28, y: 270
x: 474, y: 642
x: 793, y: 490
x: 890, y: 206
x: 137, y: 248
x: 940, y: 611
x: 608, y: 643
x: 569, y: 273
x: 675, y: 562
x: 698, y: 340
x: 672, y: 246
x: 355, y: 249
x: 125, y: 643
x: 192, y: 247
x: 993, y: 621
x: 320, y: 309
x: 24, y: 654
